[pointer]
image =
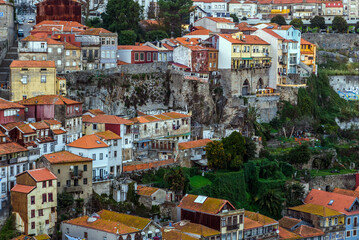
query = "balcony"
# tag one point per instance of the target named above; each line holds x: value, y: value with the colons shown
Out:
x: 37, y: 50
x: 284, y: 50
x: 232, y: 227
x: 12, y: 160
x: 76, y: 175
x: 74, y: 189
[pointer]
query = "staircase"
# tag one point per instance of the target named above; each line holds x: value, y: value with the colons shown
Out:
x: 5, y: 70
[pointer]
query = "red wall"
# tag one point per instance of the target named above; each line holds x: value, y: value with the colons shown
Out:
x: 139, y: 57
x: 207, y: 220
x: 19, y: 117
x: 65, y: 10
x: 70, y: 38
x: 116, y: 128
x: 74, y: 113
x: 200, y: 58
x: 42, y: 112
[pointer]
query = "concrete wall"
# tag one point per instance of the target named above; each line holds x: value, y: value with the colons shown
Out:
x: 343, y: 41
x: 102, y: 187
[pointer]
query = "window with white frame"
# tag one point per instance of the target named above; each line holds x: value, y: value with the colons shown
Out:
x: 43, y: 78
x: 59, y: 50
x: 24, y: 79
x: 67, y: 52
x: 67, y: 63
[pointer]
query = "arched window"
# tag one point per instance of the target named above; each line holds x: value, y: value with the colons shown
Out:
x: 245, y: 88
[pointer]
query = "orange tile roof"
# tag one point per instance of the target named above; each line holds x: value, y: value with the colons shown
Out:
x: 288, y: 222
x: 119, y: 63
x: 59, y: 22
x: 357, y: 189
x: 136, y: 48
x: 22, y: 188
x: 250, y: 224
x: 88, y: 142
x: 4, y: 104
x: 65, y: 157
x: 26, y: 129
x: 230, y: 38
x: 308, y: 232
x: 194, y: 144
x: 252, y: 39
x: 70, y: 46
x: 51, y: 122
x: 146, y: 191
x: 12, y: 147
x: 33, y: 38
x: 149, y: 165
x: 271, y: 32
x: 260, y: 218
x: 40, y: 174
x: 222, y: 20
x: 40, y: 125
x: 58, y: 131
x: 102, y: 225
x: 168, y: 46
x: 174, y: 234
x: 346, y: 192
x: 108, y: 135
x: 94, y: 31
x: 175, y: 115
x: 51, y: 41
x: 288, y: 235
x: 316, y: 209
x: 210, y: 205
x: 200, y: 32
x: 32, y: 64
x: 197, y: 229
x: 96, y: 111
x: 108, y: 119
x: 305, y: 42
x: 339, y: 202
x: 9, y: 126
x: 188, y: 41
x: 136, y: 222
x: 159, y: 117
x: 48, y: 100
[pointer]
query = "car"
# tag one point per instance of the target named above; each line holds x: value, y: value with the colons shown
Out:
x: 31, y: 20
x: 20, y: 33
x: 21, y: 22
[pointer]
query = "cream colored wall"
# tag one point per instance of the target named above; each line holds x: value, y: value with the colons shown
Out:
x: 70, y: 59
x: 34, y: 87
x: 87, y: 128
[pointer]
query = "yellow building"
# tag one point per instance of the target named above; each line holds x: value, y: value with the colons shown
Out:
x: 34, y: 202
x: 308, y: 53
x: 61, y: 86
x: 32, y: 78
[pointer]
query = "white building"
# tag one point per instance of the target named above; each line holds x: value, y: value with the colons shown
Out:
x: 242, y: 8
x: 216, y: 8
x: 215, y: 24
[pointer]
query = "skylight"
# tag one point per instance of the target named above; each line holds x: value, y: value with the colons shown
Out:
x: 331, y: 202
x: 98, y: 142
x: 200, y: 199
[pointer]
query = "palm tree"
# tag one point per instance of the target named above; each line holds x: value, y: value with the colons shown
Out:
x: 270, y: 201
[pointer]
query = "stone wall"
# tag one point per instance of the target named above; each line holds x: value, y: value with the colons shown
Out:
x: 102, y: 187
x: 332, y: 40
x: 328, y: 183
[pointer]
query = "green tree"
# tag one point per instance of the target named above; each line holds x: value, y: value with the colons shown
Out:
x: 64, y: 200
x: 176, y: 180
x: 216, y: 157
x: 234, y: 145
x: 174, y: 13
x: 8, y: 230
x: 340, y: 24
x: 94, y: 22
x: 127, y: 37
x: 251, y: 177
x: 294, y: 193
x: 278, y: 19
x: 297, y: 23
x: 251, y: 150
x: 234, y: 17
x: 317, y: 21
x: 357, y: 27
x: 156, y: 35
x: 299, y: 155
x: 122, y: 15
x: 270, y: 202
x: 131, y: 193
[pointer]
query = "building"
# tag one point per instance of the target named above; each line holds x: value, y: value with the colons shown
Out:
x: 332, y: 9
x: 348, y: 205
x: 65, y: 10
x: 11, y: 112
x: 32, y: 78
x: 217, y: 24
x: 194, y: 230
x: 258, y: 226
x: 301, y: 231
x: 308, y: 54
x: 137, y: 54
x: 34, y: 201
x: 64, y: 110
x: 73, y: 172
x: 61, y: 86
x: 193, y: 153
x: 242, y: 8
x: 214, y: 8
x: 214, y: 213
x: 110, y: 225
x: 331, y: 222
x: 164, y: 54
x: 7, y: 26
x: 151, y: 196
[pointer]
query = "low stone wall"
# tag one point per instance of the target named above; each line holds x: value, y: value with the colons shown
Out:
x: 328, y: 183
x: 102, y: 187
x: 333, y: 40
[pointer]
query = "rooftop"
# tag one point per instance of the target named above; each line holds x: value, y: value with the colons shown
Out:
x: 96, y: 112
x: 316, y: 209
x: 40, y: 174
x: 88, y: 142
x: 194, y: 144
x: 159, y: 117
x: 4, y: 104
x: 129, y: 220
x: 108, y: 135
x: 12, y: 147
x: 108, y: 119
x: 199, y: 32
x: 136, y: 48
x: 308, y: 232
x: 288, y: 222
x: 288, y: 235
x: 221, y: 20
x: 172, y: 234
x: 260, y: 218
x: 48, y: 99
x: 305, y: 42
x: 94, y: 31
x: 250, y: 224
x: 32, y: 64
x: 146, y: 191
x: 22, y: 188
x: 65, y: 157
x: 193, y: 228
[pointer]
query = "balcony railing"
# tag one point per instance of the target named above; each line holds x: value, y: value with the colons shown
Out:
x: 76, y: 175
x: 25, y: 49
x: 74, y: 189
x: 232, y: 227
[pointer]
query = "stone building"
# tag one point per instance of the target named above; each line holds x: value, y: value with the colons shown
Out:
x: 66, y: 10
x: 192, y: 153
x: 7, y: 26
x: 150, y: 196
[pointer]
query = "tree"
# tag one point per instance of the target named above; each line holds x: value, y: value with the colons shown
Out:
x: 270, y: 202
x: 278, y: 19
x: 299, y: 155
x: 216, y: 157
x: 235, y: 18
x: 156, y: 35
x: 64, y: 200
x: 127, y: 37
x: 340, y: 24
x: 131, y: 193
x: 297, y: 23
x: 94, y: 22
x: 357, y: 27
x: 88, y: 8
x: 251, y: 150
x: 244, y: 18
x: 234, y: 145
x: 122, y: 15
x: 317, y: 21
x: 176, y: 180
x: 294, y: 193
x: 174, y: 13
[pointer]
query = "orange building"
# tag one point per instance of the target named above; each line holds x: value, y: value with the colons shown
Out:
x: 308, y: 53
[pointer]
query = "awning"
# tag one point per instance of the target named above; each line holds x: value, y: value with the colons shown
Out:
x: 144, y: 141
x: 247, y: 58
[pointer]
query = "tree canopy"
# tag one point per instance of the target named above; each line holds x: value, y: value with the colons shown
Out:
x: 297, y: 23
x: 340, y: 24
x: 127, y: 37
x: 176, y: 180
x: 278, y: 19
x: 317, y: 21
x: 156, y: 35
x: 235, y: 18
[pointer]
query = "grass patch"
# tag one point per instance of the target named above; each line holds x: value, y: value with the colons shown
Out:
x: 328, y: 172
x: 199, y: 181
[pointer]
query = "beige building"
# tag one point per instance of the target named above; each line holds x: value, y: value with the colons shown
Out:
x: 72, y: 58
x: 32, y: 78
x: 73, y: 172
x: 151, y: 196
x: 7, y: 27
x: 34, y: 201
x: 61, y: 86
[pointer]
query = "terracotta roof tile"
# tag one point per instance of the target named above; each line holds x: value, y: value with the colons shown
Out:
x: 194, y: 144
x: 288, y: 235
x: 40, y: 125
x: 222, y: 20
x: 51, y: 41
x: 40, y: 174
x: 96, y: 112
x: 22, y: 188
x: 200, y: 32
x: 168, y: 46
x: 4, y: 104
x: 108, y: 135
x: 48, y: 100
x: 188, y: 41
x: 88, y: 142
x: 305, y: 42
x: 70, y: 46
x: 136, y: 48
x: 308, y: 232
x: 42, y: 237
x: 65, y: 157
x: 150, y: 165
x: 126, y: 219
x: 260, y: 218
x: 9, y: 126
x: 210, y: 205
x: 32, y: 64
x: 26, y: 129
x: 250, y: 224
x: 94, y: 31
x: 174, y: 234
x: 159, y: 117
x: 102, y: 225
x: 336, y: 4
x: 288, y: 222
x: 12, y: 147
x: 146, y: 191
x: 119, y: 63
x: 58, y: 131
x: 255, y: 40
x: 33, y: 38
x: 108, y: 119
x: 271, y: 32
x: 316, y: 209
x: 51, y: 122
x: 197, y: 229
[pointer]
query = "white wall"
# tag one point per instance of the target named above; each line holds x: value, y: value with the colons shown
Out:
x: 124, y: 55
x: 224, y: 54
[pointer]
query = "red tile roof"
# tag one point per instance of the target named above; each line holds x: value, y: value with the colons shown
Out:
x: 222, y: 20
x: 53, y: 42
x: 210, y: 205
x: 288, y: 222
x: 96, y: 112
x: 12, y: 147
x: 271, y: 32
x: 26, y: 129
x: 22, y: 188
x: 132, y: 167
x: 32, y: 64
x: 40, y: 125
x: 262, y: 219
x: 168, y: 46
x: 88, y: 142
x: 65, y: 157
x: 194, y: 144
x: 332, y: 200
x: 94, y: 31
x: 288, y: 235
x: 58, y: 131
x: 51, y: 122
x: 159, y: 117
x: 40, y: 174
x: 308, y: 232
x: 347, y: 192
x: 137, y: 48
x: 108, y: 119
x: 252, y: 39
x: 108, y: 135
x: 305, y: 42
x: 119, y: 63
x: 146, y: 191
x: 48, y: 100
x: 199, y: 32
x: 34, y: 38
x: 337, y: 4
x: 9, y: 126
x: 250, y: 224
x: 188, y: 41
x: 70, y: 46
x: 197, y: 229
x: 129, y: 220
x: 4, y: 104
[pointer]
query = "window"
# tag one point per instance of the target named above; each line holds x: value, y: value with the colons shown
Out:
x: 148, y: 56
x: 32, y: 200
x: 354, y: 233
x: 58, y: 184
x: 155, y: 57
x: 74, y: 53
x: 3, y: 187
x: 49, y: 50
x: 67, y: 52
x: 44, y: 198
x: 84, y: 53
x: 32, y: 225
x: 115, y: 153
x: 101, y: 156
x: 126, y: 141
x: 85, y: 234
x: 136, y: 56
x: 51, y: 199
x: 45, y: 148
x: 85, y: 168
x: 94, y: 156
x: 58, y: 62
x: 58, y: 171
x: 76, y: 182
x: 67, y: 63
x: 44, y: 184
x: 32, y: 213
x: 47, y: 222
x: 41, y: 212
x: 223, y: 222
x: 58, y: 50
x: 68, y: 183
x: 85, y: 181
x: 24, y: 79
x: 11, y: 171
x: 142, y: 56
x: 43, y: 78
x: 96, y: 53
x: 94, y: 126
x: 348, y: 221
